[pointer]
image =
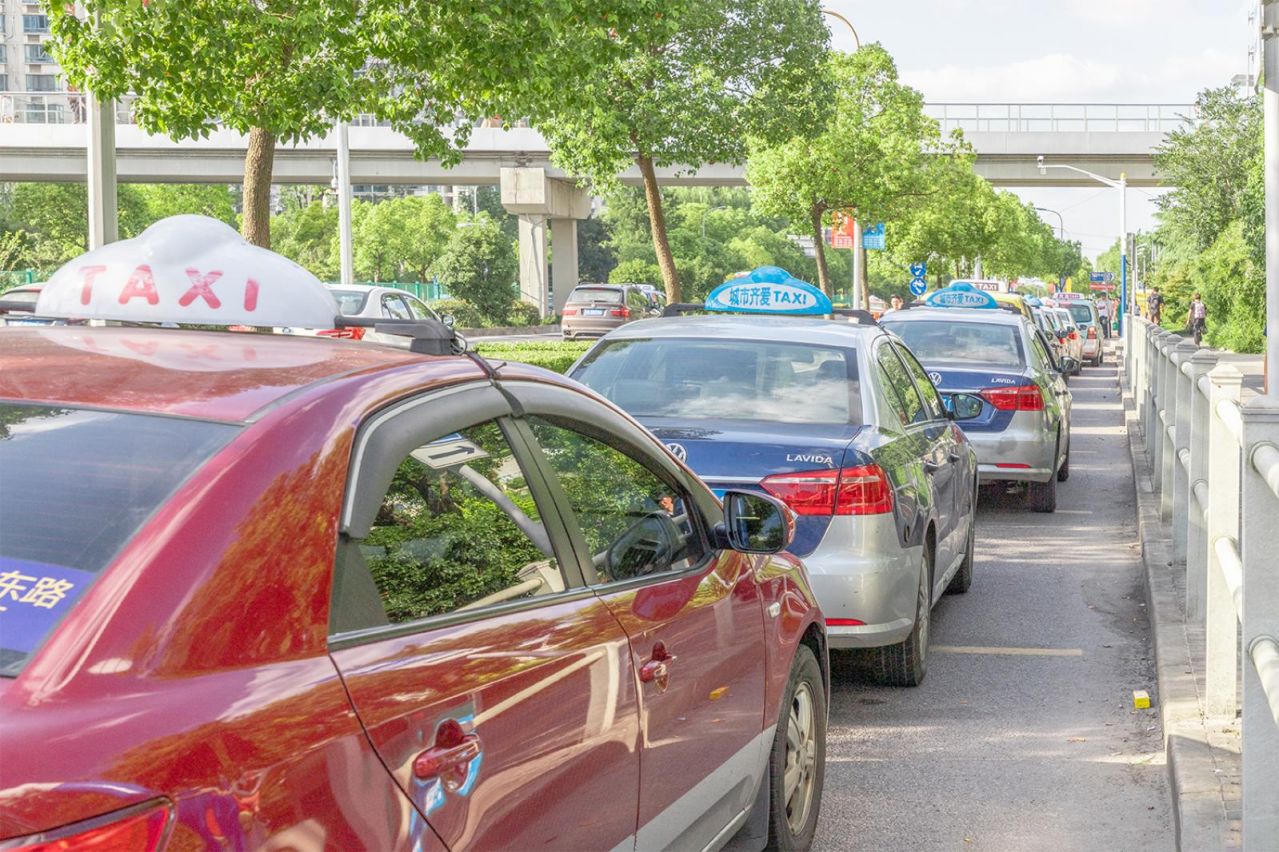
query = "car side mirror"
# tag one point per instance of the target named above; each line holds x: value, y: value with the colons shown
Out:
x: 447, y: 319
x: 1062, y: 334
x: 757, y: 523
x: 964, y: 406
x: 1067, y: 365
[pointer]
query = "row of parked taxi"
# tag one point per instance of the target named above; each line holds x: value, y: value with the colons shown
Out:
x: 274, y: 591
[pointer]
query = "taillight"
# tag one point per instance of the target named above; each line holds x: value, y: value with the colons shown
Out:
x: 622, y: 312
x: 569, y: 312
x: 844, y: 622
x: 356, y: 333
x: 861, y: 490
x: 1023, y: 398
x: 132, y: 830
x: 1092, y: 332
x: 1074, y: 335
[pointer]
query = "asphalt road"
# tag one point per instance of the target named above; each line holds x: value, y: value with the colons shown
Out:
x: 1004, y: 746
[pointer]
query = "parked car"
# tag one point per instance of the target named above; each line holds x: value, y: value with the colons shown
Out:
x: 1049, y: 324
x: 993, y: 365
x: 593, y: 310
x: 17, y: 303
x: 278, y: 593
x: 1084, y: 313
x: 1071, y: 338
x: 372, y: 302
x: 839, y: 421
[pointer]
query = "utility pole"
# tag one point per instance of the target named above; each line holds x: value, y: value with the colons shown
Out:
x: 104, y: 220
x: 1270, y: 120
x: 346, y: 243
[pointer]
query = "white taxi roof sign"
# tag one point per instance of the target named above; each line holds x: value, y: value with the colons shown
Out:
x: 188, y: 269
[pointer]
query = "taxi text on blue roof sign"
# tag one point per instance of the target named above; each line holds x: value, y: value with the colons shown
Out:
x: 961, y: 295
x: 769, y: 290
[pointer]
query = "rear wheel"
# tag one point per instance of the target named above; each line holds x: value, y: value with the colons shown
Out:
x: 1063, y: 472
x: 906, y: 663
x: 1043, y: 495
x: 797, y: 765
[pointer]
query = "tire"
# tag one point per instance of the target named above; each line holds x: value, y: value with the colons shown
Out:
x: 802, y: 752
x: 906, y: 663
x: 1043, y: 495
x: 1063, y: 472
x: 963, y: 579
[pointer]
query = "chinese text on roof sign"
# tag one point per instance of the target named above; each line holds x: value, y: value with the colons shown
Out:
x: 769, y: 290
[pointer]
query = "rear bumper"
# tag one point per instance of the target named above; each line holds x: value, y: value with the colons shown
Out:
x: 1091, y: 348
x: 861, y: 571
x: 589, y: 326
x: 1020, y: 453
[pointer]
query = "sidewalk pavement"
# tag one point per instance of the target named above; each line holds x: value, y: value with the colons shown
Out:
x: 1203, y: 753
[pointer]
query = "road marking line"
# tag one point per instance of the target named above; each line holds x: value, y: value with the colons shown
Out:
x: 1016, y: 652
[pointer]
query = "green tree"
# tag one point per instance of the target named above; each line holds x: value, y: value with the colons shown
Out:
x: 877, y: 150
x: 479, y: 267
x: 687, y: 90
x: 162, y: 200
x: 281, y: 72
x: 307, y: 235
x: 595, y: 258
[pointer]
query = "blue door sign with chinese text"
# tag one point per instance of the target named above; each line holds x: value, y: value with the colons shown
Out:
x: 769, y: 290
x: 33, y: 599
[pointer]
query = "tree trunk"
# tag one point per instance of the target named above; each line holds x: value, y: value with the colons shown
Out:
x: 657, y: 220
x: 823, y: 272
x: 863, y: 284
x: 258, y: 162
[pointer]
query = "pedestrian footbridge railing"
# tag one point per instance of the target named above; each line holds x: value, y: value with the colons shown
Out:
x: 1215, y: 469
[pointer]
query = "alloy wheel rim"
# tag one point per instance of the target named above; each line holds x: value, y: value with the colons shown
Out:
x: 799, y: 777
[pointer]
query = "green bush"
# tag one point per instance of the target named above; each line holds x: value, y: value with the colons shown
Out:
x: 557, y: 355
x: 465, y: 315
x: 523, y: 313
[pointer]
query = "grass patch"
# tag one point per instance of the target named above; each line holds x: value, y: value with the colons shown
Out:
x: 557, y: 355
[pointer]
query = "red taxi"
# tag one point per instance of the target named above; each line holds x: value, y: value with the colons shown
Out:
x: 296, y: 593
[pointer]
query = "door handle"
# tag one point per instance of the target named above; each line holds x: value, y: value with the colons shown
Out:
x: 953, y: 455
x: 932, y: 466
x: 450, y: 758
x: 657, y: 670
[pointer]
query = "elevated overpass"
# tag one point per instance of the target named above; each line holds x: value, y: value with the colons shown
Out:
x: 41, y: 139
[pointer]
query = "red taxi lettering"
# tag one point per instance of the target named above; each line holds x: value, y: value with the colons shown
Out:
x: 141, y: 284
x: 202, y: 286
x: 86, y: 289
x: 250, y: 295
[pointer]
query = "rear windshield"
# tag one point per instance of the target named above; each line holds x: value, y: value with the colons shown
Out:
x: 727, y: 380
x: 1081, y: 313
x: 989, y: 344
x: 350, y: 302
x: 596, y: 294
x: 75, y: 485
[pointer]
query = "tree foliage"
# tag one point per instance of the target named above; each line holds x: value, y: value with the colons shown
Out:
x: 687, y: 90
x: 479, y: 267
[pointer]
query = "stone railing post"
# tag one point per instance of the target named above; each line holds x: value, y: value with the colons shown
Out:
x: 1221, y: 626
x: 1196, y: 529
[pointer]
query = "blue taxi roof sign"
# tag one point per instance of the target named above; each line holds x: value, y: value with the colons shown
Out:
x: 769, y: 290
x: 188, y: 269
x: 961, y: 294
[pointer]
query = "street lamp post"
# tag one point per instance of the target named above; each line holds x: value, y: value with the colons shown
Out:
x: 1270, y: 123
x: 859, y: 253
x: 1122, y: 186
x: 1061, y: 238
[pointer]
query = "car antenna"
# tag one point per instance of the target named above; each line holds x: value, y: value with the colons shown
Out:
x: 517, y: 408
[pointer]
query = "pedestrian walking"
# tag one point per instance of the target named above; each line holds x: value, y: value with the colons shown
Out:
x: 1197, y: 318
x: 1155, y: 305
x: 1103, y: 316
x: 896, y: 303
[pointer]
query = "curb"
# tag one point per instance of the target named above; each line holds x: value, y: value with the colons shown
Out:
x: 1201, y: 820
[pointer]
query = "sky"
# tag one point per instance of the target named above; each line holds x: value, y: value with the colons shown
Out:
x: 1060, y: 51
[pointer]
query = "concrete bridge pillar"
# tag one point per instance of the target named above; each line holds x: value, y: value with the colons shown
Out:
x: 539, y: 199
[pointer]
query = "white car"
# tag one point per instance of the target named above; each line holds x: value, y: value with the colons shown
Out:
x: 373, y: 302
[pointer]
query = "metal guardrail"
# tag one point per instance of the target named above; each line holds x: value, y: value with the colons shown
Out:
x: 1223, y: 507
x: 1062, y: 118
x: 69, y: 108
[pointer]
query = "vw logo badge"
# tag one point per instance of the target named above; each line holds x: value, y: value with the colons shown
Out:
x: 936, y: 377
x: 678, y: 451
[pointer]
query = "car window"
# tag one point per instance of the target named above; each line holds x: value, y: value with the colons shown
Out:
x: 1047, y: 362
x: 350, y: 302
x: 1081, y: 313
x: 932, y: 400
x: 393, y: 306
x: 457, y: 530
x: 987, y: 343
x: 635, y: 522
x: 75, y: 486
x: 721, y: 378
x: 611, y: 295
x: 419, y: 309
x: 899, y: 383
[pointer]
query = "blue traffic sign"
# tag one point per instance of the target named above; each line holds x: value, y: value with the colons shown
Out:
x: 873, y: 237
x: 918, y: 286
x: 918, y: 270
x: 1101, y: 277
